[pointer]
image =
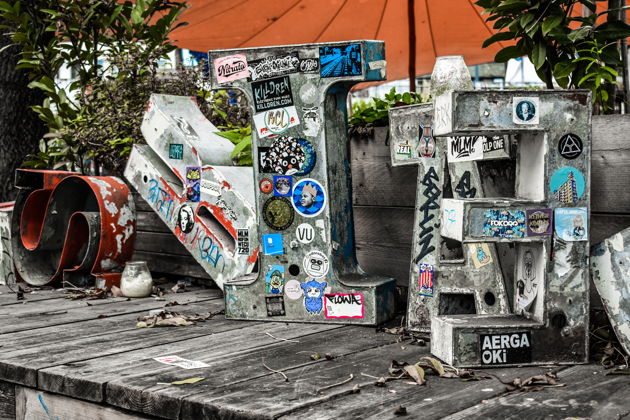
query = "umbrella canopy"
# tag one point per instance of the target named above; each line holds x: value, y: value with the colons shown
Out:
x: 453, y: 27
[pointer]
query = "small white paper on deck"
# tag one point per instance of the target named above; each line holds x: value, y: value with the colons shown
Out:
x: 182, y: 363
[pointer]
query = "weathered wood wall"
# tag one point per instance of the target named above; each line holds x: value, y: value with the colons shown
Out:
x: 384, y: 198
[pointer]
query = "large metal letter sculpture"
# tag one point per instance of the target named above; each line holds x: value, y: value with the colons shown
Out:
x: 547, y: 221
x: 610, y: 260
x: 184, y: 174
x: 71, y: 227
x: 440, y: 283
x: 308, y: 269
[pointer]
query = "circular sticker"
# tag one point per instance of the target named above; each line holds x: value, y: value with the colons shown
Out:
x: 525, y: 110
x: 266, y: 186
x: 289, y: 156
x: 293, y: 290
x: 309, y: 198
x: 316, y: 264
x: 567, y: 185
x: 570, y: 146
x: 309, y: 93
x: 305, y: 233
x: 185, y: 218
x: 278, y: 213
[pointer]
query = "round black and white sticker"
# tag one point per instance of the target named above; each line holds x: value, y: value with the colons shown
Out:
x: 570, y: 146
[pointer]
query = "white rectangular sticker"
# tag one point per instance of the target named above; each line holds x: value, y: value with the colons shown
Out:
x: 276, y: 121
x: 182, y: 363
x: 452, y: 219
x: 464, y: 148
x: 343, y: 305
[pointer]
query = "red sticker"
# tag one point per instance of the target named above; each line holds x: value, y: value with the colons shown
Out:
x: 266, y: 186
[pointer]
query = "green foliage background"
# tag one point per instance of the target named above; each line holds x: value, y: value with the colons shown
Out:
x: 563, y: 45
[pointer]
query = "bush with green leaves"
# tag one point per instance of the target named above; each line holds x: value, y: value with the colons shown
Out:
x: 367, y: 115
x: 109, y: 45
x: 575, y: 50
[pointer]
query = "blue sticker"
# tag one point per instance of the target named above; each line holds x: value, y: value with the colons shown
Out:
x: 309, y: 198
x: 193, y: 183
x: 525, y: 110
x: 313, y: 296
x: 502, y: 223
x: 309, y: 157
x: 340, y: 60
x: 274, y: 279
x: 567, y: 185
x: 571, y: 223
x: 175, y: 151
x: 272, y: 244
x: 282, y: 185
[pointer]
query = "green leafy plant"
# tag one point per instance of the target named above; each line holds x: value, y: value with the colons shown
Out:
x: 242, y: 139
x: 562, y: 44
x: 108, y: 44
x: 230, y: 114
x: 367, y: 115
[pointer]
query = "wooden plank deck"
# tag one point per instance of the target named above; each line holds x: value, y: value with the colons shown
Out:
x: 62, y: 359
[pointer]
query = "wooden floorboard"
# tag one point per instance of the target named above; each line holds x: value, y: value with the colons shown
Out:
x: 69, y: 312
x: 7, y: 400
x: 589, y: 393
x: 90, y: 355
x: 105, y: 325
x: 21, y: 365
x: 259, y: 397
x: 438, y: 398
x: 8, y: 296
x: 141, y: 391
x: 88, y: 379
x: 35, y: 405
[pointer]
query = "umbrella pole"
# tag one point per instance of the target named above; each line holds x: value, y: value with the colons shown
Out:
x: 411, y: 14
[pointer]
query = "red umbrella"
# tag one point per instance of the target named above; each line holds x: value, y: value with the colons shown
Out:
x: 453, y: 27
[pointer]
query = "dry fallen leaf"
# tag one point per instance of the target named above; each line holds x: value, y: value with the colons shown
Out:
x: 187, y: 381
x: 534, y: 383
x: 167, y: 318
x: 435, y: 365
x: 417, y: 373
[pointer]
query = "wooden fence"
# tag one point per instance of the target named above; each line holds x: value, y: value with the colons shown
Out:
x: 384, y: 198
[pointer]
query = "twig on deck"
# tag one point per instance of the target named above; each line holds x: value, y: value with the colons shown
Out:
x: 386, y: 378
x: 281, y: 339
x: 286, y: 378
x: 334, y: 385
x: 67, y: 283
